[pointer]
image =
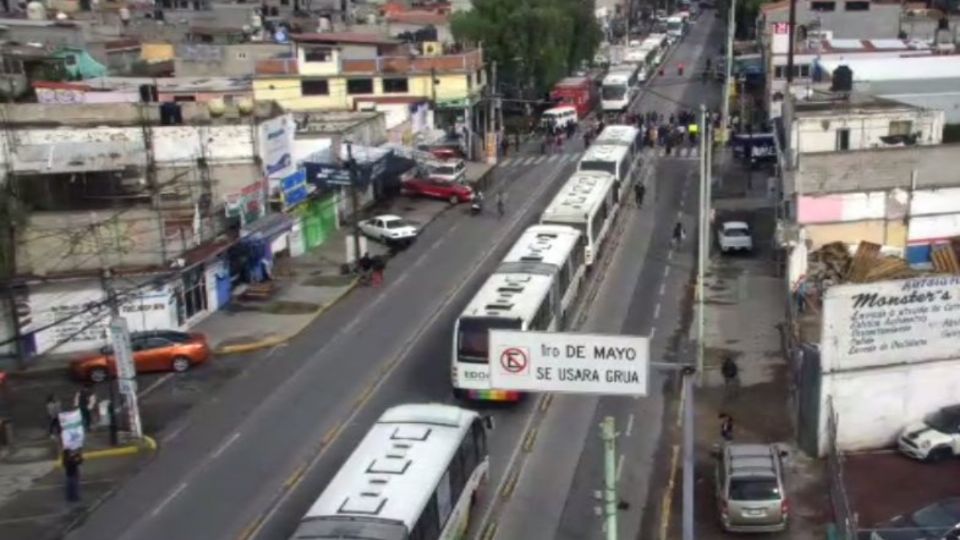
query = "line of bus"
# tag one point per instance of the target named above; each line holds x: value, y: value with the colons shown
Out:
x: 619, y: 87
x: 538, y: 283
x: 414, y: 476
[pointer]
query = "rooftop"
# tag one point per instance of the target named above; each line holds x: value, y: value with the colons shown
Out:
x: 93, y: 115
x: 855, y: 46
x: 348, y: 38
x: 418, y: 17
x: 855, y: 102
x: 906, y: 67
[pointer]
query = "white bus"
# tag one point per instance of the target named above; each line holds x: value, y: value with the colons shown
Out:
x: 622, y: 135
x: 589, y: 202
x: 645, y: 58
x: 413, y: 476
x: 618, y: 88
x: 620, y: 160
x: 534, y: 288
x: 660, y: 44
x: 676, y: 27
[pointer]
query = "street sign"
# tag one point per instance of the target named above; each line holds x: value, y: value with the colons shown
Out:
x: 122, y: 355
x: 567, y: 362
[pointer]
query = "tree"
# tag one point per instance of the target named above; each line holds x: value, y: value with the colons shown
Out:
x: 534, y: 42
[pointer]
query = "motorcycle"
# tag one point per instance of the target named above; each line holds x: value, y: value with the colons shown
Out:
x: 476, y: 206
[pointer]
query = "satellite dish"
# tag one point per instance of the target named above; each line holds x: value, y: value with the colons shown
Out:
x: 280, y: 36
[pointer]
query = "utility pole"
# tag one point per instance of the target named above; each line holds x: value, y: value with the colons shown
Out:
x: 792, y: 23
x: 688, y: 461
x: 703, y: 237
x: 491, y: 145
x: 354, y: 202
x: 728, y: 76
x: 123, y: 358
x: 609, y: 435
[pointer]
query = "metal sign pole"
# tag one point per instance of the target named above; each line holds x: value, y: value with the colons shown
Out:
x: 609, y: 436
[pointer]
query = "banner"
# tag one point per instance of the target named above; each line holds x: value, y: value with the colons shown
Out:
x: 71, y: 430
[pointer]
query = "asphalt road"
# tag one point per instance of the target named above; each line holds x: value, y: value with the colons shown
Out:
x: 250, y: 460
x: 643, y: 293
x: 270, y: 439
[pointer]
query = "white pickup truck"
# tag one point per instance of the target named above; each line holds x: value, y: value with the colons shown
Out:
x: 734, y: 236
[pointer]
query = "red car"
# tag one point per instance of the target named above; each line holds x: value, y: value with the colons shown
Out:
x: 454, y: 192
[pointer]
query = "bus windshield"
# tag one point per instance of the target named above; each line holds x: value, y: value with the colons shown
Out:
x: 611, y: 92
x: 674, y: 25
x: 472, y: 336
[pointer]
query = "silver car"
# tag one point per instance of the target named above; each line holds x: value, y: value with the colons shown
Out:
x: 750, y: 489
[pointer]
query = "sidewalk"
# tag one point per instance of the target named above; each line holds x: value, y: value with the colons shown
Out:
x: 743, y: 305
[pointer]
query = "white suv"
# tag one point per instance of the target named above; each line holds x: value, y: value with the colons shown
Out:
x: 935, y: 439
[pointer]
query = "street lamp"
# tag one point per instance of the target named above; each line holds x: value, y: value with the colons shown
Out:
x: 354, y: 203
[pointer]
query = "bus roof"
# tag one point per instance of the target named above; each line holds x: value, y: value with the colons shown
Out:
x: 510, y: 295
x: 549, y: 244
x: 583, y: 193
x: 392, y: 473
x: 605, y: 152
x: 618, y: 134
x: 619, y: 75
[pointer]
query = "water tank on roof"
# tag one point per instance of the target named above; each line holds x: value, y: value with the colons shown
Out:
x: 216, y: 106
x: 842, y: 79
x: 245, y: 105
x: 323, y: 24
x: 36, y: 11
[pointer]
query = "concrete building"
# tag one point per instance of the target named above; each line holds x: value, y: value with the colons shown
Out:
x: 128, y: 90
x: 905, y: 198
x: 234, y: 60
x: 817, y: 51
x: 171, y: 199
x: 341, y: 71
x: 830, y: 122
x: 846, y: 19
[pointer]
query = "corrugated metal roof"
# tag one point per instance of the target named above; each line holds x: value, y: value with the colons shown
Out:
x: 907, y: 67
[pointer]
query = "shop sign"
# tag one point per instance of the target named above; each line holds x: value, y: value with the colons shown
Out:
x: 248, y: 204
x: 276, y: 146
x: 294, y: 189
x: 71, y: 430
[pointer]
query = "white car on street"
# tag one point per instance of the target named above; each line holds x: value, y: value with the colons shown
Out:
x: 936, y: 438
x: 734, y: 236
x: 389, y: 229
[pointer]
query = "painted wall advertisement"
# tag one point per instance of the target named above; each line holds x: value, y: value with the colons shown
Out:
x: 276, y: 148
x: 889, y: 323
x: 72, y: 317
x: 71, y: 429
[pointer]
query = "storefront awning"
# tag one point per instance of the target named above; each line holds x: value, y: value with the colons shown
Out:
x: 267, y: 227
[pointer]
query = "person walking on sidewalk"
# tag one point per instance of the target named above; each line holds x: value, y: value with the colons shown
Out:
x: 678, y: 233
x: 500, y: 204
x: 731, y: 376
x: 53, y: 415
x: 639, y: 191
x: 726, y: 427
x: 71, y: 468
x: 83, y: 399
x: 379, y: 265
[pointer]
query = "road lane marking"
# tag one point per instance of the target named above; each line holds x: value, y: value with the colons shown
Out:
x: 225, y: 445
x: 156, y: 384
x: 653, y: 332
x: 667, y: 499
x: 663, y: 287
x: 619, y: 467
x: 400, y: 278
x: 656, y: 311
x: 170, y: 497
x: 539, y: 160
x: 173, y: 434
x: 349, y: 326
x: 670, y: 255
x: 666, y: 272
x: 252, y: 530
x: 507, y: 162
x: 629, y: 430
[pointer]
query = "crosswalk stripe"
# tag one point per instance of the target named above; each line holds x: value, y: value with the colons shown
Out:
x: 528, y: 161
x: 507, y: 162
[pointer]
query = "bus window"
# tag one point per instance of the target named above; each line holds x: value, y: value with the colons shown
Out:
x: 472, y: 334
x: 428, y: 526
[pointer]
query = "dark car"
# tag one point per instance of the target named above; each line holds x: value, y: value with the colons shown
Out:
x: 938, y: 521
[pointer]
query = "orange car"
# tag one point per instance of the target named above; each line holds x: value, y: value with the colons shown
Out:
x: 158, y: 350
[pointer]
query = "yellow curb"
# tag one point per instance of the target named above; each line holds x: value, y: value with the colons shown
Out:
x: 146, y: 444
x: 273, y: 341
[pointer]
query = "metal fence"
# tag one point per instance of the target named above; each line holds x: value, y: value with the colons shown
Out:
x: 843, y: 515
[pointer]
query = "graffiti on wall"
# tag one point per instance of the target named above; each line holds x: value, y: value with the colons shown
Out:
x: 60, y: 95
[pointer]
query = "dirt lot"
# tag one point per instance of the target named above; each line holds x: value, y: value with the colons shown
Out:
x: 883, y: 485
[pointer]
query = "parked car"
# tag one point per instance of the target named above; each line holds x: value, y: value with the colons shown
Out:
x: 389, y: 229
x: 936, y: 438
x: 451, y: 170
x: 436, y: 188
x: 734, y: 236
x: 157, y: 350
x: 750, y: 488
x: 938, y: 521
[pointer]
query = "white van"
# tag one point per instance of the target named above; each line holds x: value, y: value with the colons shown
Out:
x: 559, y: 117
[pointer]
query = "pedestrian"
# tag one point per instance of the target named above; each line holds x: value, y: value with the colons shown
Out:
x: 586, y: 139
x: 53, y: 415
x: 731, y: 375
x: 504, y: 146
x: 379, y: 265
x: 726, y: 426
x: 639, y: 191
x: 500, y: 204
x: 559, y: 142
x: 82, y: 402
x: 71, y: 460
x: 365, y: 265
x: 678, y: 233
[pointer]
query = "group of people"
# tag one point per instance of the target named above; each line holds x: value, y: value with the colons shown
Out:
x: 371, y: 269
x: 85, y: 400
x: 555, y: 135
